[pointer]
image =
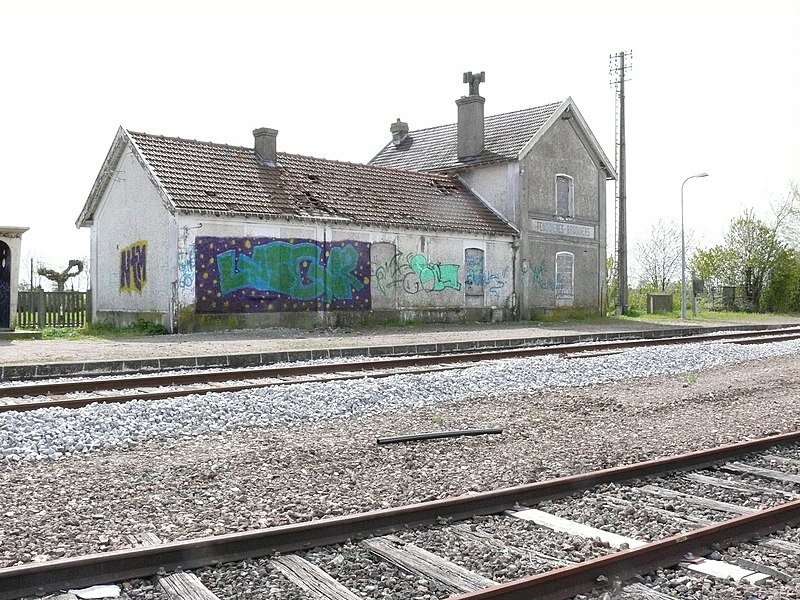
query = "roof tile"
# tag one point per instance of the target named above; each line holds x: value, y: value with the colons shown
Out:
x: 208, y: 177
x: 436, y: 148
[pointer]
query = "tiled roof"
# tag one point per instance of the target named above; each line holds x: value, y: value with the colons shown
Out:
x: 229, y: 180
x: 436, y: 148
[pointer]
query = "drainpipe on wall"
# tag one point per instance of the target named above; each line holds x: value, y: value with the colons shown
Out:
x: 515, y: 254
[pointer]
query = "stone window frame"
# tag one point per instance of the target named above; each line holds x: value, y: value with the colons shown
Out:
x: 570, y: 195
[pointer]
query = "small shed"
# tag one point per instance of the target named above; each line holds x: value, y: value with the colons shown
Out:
x: 10, y: 247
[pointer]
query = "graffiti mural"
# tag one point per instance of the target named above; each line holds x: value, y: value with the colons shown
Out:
x: 186, y: 268
x: 414, y: 273
x: 254, y: 274
x: 541, y: 279
x: 476, y: 278
x: 133, y: 267
x: 496, y: 281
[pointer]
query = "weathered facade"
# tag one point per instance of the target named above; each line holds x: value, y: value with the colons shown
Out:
x: 200, y: 236
x: 487, y: 219
x: 10, y: 249
x: 545, y: 173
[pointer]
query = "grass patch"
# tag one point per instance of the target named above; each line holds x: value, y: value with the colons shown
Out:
x: 703, y: 315
x: 104, y: 329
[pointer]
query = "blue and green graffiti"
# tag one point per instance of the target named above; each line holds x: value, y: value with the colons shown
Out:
x: 268, y: 274
x: 415, y: 273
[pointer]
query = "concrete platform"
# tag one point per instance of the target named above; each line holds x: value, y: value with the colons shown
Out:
x: 31, y: 359
x: 8, y: 335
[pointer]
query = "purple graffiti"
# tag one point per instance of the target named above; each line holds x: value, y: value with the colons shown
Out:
x: 266, y: 274
x: 133, y: 267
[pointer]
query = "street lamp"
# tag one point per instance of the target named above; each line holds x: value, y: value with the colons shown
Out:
x: 683, y: 250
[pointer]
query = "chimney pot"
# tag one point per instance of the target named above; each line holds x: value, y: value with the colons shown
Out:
x: 265, y: 146
x: 399, y: 131
x: 470, y: 126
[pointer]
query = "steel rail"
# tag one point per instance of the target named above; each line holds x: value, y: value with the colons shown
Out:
x: 177, y: 379
x: 775, y: 338
x: 567, y: 582
x: 119, y: 565
x: 238, y: 387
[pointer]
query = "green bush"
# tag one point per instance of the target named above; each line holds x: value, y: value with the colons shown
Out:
x: 146, y: 327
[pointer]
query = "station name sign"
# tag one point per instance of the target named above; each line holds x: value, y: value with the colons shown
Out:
x: 561, y: 228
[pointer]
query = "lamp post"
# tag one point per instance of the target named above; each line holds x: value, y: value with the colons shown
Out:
x: 683, y: 250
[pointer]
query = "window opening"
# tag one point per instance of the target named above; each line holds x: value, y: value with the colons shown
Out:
x: 473, y: 272
x: 565, y: 196
x: 565, y: 277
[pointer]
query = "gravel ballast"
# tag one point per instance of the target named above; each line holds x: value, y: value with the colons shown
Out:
x: 55, y: 433
x: 309, y: 451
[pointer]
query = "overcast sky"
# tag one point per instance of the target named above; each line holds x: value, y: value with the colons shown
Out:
x: 715, y: 87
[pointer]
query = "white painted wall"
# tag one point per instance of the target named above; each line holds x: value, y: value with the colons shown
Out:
x: 130, y: 211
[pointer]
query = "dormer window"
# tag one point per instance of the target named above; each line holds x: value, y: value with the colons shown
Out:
x: 565, y: 196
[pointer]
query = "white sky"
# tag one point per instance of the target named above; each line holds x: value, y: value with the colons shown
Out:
x: 715, y: 87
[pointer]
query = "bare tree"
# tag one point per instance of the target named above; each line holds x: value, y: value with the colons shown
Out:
x: 60, y: 277
x: 659, y: 255
x: 787, y: 216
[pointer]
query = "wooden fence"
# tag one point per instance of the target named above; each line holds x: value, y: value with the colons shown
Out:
x: 39, y: 309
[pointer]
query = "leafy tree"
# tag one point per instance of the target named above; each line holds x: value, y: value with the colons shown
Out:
x: 754, y: 248
x: 715, y: 267
x: 659, y: 256
x: 60, y: 277
x: 756, y: 257
x: 782, y: 293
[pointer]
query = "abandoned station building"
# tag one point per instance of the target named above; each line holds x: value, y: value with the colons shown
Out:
x: 493, y: 218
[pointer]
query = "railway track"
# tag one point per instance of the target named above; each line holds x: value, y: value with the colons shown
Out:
x: 57, y: 393
x: 762, y: 499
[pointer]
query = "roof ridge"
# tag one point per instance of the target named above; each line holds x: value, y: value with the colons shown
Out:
x: 503, y: 114
x: 370, y: 166
x: 304, y: 156
x: 191, y: 140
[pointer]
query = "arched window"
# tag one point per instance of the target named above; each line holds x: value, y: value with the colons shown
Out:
x: 565, y: 278
x: 565, y: 196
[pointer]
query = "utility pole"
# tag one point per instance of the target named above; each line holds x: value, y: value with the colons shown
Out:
x: 617, y: 69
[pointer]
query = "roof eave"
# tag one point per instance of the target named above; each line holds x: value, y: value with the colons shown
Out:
x: 103, y: 179
x: 166, y: 200
x: 122, y: 140
x: 594, y: 145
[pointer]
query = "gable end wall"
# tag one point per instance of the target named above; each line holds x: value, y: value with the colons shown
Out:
x: 131, y: 211
x: 561, y: 151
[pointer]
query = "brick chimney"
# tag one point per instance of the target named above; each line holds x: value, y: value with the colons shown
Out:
x: 265, y: 147
x: 399, y: 132
x: 470, y: 118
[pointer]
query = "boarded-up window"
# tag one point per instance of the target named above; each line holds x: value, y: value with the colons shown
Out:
x: 565, y: 202
x: 565, y: 278
x: 473, y: 276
